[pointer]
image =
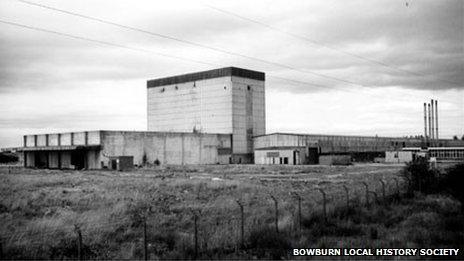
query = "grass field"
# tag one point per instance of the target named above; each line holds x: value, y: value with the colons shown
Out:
x: 41, y: 208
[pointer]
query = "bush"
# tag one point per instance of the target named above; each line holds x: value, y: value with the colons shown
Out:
x: 8, y: 157
x: 453, y: 183
x: 267, y: 240
x: 422, y: 178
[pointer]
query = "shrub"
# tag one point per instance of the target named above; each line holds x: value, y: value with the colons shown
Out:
x: 422, y: 177
x: 453, y: 183
x: 267, y: 240
x: 8, y: 157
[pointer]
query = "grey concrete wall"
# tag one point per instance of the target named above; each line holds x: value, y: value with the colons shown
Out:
x: 79, y: 138
x: 30, y: 141
x: 66, y: 160
x: 334, y: 159
x: 53, y: 159
x: 248, y: 113
x: 64, y: 139
x: 93, y: 159
x: 53, y: 139
x: 29, y: 159
x: 168, y: 148
x: 222, y: 105
x: 41, y: 140
x: 203, y: 106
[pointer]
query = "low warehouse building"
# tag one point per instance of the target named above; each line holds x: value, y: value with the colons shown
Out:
x: 97, y: 149
x: 327, y: 149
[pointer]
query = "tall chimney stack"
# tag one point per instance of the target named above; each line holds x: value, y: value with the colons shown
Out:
x: 426, y: 135
x: 430, y: 121
x: 433, y: 120
x: 436, y: 119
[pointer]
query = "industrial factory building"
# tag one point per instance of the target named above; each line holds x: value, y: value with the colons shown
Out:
x: 103, y: 149
x: 210, y: 117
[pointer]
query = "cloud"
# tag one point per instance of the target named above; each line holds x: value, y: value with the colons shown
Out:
x: 50, y: 78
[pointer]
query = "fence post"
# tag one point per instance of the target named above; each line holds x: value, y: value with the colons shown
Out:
x: 383, y: 189
x: 242, y: 225
x: 347, y: 196
x: 199, y: 190
x: 79, y: 242
x: 397, y: 188
x: 195, y: 222
x: 324, y: 204
x: 145, y: 251
x: 410, y: 189
x: 299, y: 213
x: 276, y: 206
x: 375, y: 196
x: 367, y: 192
x: 298, y: 197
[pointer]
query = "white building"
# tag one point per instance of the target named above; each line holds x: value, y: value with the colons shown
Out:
x: 222, y: 101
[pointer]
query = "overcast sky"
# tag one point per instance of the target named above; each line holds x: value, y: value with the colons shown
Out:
x: 52, y: 83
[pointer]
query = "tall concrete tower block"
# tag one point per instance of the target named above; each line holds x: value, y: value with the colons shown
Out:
x: 228, y: 100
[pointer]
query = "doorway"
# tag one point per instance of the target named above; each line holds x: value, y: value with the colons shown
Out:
x: 78, y: 159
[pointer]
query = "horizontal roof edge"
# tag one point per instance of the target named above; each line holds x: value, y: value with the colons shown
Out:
x: 332, y: 135
x: 204, y: 75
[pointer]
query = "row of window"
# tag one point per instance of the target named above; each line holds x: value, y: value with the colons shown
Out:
x: 448, y: 154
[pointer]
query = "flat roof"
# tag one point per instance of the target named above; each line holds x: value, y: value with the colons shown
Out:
x: 216, y: 73
x: 334, y: 135
x: 54, y: 148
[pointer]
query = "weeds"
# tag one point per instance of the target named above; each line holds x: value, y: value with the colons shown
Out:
x: 112, y: 206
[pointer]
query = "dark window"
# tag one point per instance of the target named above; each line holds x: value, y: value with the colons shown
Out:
x: 225, y: 87
x: 280, y: 160
x: 248, y: 87
x: 285, y: 160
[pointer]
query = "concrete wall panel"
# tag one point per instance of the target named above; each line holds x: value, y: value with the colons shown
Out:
x: 66, y: 139
x: 93, y: 159
x: 53, y: 140
x: 173, y: 149
x: 203, y: 106
x: 79, y: 138
x: 29, y: 157
x: 53, y: 159
x: 93, y: 138
x: 168, y: 148
x: 66, y: 160
x: 30, y: 140
x: 41, y: 140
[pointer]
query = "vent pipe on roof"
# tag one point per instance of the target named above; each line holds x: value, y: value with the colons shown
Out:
x: 436, y: 119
